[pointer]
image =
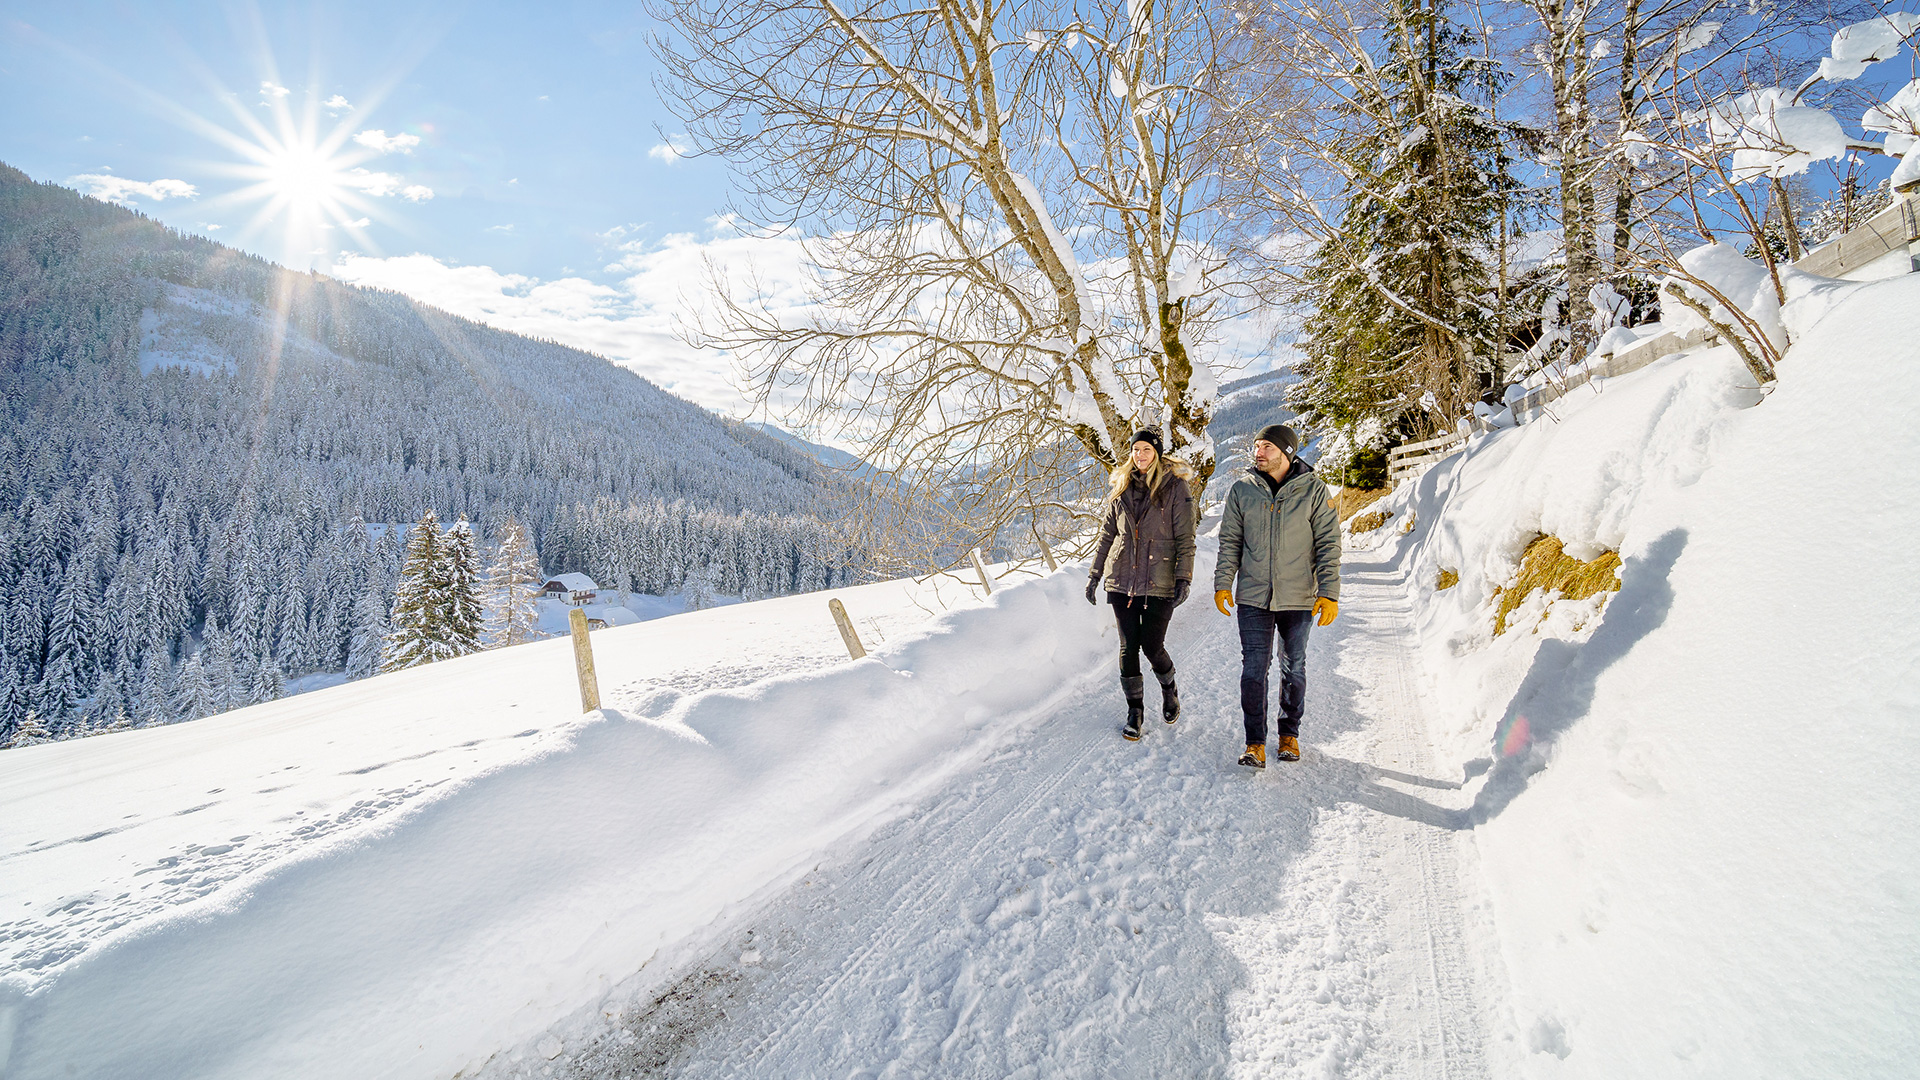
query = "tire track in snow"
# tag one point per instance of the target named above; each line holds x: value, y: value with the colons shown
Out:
x: 1445, y: 1022
x: 919, y: 891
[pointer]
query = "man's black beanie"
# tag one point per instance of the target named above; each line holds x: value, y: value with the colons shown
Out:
x: 1281, y: 436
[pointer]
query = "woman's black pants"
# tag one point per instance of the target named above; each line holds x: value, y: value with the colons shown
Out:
x: 1143, y: 626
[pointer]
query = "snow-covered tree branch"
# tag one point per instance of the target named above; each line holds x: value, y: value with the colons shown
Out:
x: 1005, y: 206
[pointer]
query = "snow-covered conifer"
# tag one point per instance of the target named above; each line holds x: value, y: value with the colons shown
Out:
x: 266, y: 682
x: 154, y: 700
x: 513, y: 581
x: 418, y: 632
x: 29, y: 731
x: 700, y: 588
x: 195, y: 695
x: 220, y: 664
x: 1400, y: 331
x: 465, y: 618
x: 69, y: 674
x: 370, y: 629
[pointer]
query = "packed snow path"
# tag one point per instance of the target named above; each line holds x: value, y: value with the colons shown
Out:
x: 1082, y: 906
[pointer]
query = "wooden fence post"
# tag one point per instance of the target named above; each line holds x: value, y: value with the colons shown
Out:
x: 854, y: 648
x: 583, y: 661
x: 985, y: 581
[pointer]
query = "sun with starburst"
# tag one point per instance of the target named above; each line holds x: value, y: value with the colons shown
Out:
x: 308, y: 174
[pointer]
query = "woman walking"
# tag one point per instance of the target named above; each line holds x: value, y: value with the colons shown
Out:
x: 1146, y: 558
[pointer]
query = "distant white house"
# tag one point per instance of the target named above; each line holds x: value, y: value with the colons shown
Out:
x: 575, y: 589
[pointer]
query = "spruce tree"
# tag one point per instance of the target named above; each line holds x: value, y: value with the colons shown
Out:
x: 1401, y: 332
x: 195, y: 694
x: 513, y: 583
x: 370, y: 629
x: 465, y: 618
x: 266, y: 682
x: 14, y: 698
x: 153, y: 704
x: 69, y: 674
x: 219, y: 665
x: 29, y: 732
x: 418, y: 633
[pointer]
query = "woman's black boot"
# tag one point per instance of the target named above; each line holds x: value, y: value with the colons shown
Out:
x: 1169, y: 697
x: 1135, y: 689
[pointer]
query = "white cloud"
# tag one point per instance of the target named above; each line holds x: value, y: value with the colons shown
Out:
x: 360, y: 224
x: 380, y: 142
x: 269, y: 90
x: 336, y: 105
x: 633, y: 321
x: 672, y: 150
x: 120, y: 189
x: 209, y: 227
x: 499, y: 228
x: 372, y: 183
x: 381, y: 184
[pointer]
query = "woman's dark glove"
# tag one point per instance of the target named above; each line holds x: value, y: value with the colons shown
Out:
x: 1180, y: 590
x: 1093, y: 583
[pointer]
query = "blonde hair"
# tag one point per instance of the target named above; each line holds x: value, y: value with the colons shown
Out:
x: 1162, y: 468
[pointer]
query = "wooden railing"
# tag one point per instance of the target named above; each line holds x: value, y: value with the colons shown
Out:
x: 1627, y: 360
x: 1896, y: 228
x: 1409, y: 460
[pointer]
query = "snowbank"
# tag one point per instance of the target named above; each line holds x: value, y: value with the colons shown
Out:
x: 1693, y: 801
x: 474, y: 917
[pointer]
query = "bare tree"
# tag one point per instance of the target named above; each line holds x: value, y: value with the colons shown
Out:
x: 1732, y: 139
x: 1004, y: 206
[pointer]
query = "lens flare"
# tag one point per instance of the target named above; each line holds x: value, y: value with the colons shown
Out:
x: 1518, y: 738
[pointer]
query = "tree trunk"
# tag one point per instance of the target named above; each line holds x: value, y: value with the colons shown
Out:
x: 1567, y: 48
x: 1629, y: 107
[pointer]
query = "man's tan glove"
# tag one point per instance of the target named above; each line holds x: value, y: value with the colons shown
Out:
x: 1223, y: 599
x: 1326, y: 610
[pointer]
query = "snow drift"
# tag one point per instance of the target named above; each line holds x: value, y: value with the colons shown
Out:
x: 1693, y: 798
x: 474, y: 919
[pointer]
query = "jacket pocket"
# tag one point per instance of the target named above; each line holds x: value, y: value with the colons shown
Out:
x: 1160, y: 564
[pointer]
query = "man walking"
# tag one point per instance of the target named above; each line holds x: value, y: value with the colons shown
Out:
x: 1281, y: 539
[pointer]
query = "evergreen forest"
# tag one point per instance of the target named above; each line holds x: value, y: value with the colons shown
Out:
x: 206, y: 457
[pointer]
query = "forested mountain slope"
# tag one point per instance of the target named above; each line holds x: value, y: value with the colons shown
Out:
x: 190, y: 437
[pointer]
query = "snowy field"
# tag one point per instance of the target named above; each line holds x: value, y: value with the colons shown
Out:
x: 1661, y: 835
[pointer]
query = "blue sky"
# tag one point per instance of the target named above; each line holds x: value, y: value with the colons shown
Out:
x: 533, y: 117
x: 536, y: 128
x: 507, y: 162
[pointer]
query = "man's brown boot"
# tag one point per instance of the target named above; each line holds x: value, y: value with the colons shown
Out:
x: 1256, y: 756
x: 1289, y: 749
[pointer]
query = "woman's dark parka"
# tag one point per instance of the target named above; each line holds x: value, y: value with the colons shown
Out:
x: 1146, y: 542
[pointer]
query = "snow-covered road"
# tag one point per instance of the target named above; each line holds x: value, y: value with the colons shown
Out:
x: 1081, y: 906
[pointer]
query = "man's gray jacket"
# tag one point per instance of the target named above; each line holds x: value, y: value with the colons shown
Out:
x: 1281, y: 540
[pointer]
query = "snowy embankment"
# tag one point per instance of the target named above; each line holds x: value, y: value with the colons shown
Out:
x: 1694, y: 806
x: 402, y: 875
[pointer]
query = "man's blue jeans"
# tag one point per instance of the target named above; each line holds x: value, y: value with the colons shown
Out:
x: 1257, y: 631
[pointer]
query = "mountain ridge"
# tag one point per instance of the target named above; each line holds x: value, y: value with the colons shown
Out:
x: 192, y: 431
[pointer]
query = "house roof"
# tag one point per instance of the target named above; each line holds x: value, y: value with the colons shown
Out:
x: 571, y: 583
